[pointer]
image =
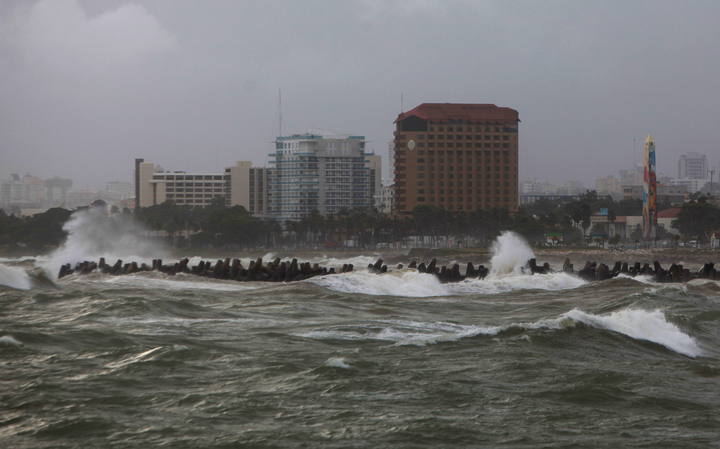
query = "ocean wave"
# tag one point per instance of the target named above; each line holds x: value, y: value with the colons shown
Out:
x: 178, y: 283
x: 401, y: 283
x: 422, y: 285
x: 641, y: 325
x: 337, y: 362
x: 14, y: 277
x: 638, y: 324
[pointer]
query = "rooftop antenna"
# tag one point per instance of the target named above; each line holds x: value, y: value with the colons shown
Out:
x: 402, y: 103
x: 634, y: 153
x: 280, y: 118
x: 280, y: 112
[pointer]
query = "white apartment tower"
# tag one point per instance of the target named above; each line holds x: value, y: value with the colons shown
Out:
x: 314, y: 173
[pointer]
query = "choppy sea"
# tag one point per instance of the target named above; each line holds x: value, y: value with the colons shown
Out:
x: 357, y: 360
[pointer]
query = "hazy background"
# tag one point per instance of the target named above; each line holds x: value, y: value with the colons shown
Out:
x: 86, y: 86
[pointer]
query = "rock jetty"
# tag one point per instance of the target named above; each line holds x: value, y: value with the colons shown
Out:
x: 279, y: 270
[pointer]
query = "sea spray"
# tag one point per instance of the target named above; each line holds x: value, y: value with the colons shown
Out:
x: 14, y: 277
x: 92, y: 234
x: 510, y: 253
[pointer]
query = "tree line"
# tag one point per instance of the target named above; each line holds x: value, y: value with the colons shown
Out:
x: 217, y: 226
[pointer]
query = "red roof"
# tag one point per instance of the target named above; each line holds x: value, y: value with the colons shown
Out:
x: 672, y: 212
x: 439, y: 112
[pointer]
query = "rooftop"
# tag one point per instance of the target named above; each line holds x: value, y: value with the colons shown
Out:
x: 461, y: 111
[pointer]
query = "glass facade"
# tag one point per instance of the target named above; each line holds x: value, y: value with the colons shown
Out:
x: 318, y: 173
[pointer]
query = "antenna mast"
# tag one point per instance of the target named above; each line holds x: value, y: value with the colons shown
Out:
x: 280, y: 112
x: 402, y: 106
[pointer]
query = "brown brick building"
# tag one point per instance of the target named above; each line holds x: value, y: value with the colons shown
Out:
x: 460, y: 157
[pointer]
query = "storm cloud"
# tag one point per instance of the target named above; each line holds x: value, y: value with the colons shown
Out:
x: 86, y: 86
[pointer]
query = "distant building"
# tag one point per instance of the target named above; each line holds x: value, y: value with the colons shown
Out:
x: 384, y: 200
x: 632, y: 177
x: 460, y: 157
x: 374, y: 164
x: 529, y: 198
x: 120, y: 189
x: 571, y: 188
x: 666, y: 193
x: 692, y: 166
x: 608, y: 185
x: 691, y: 185
x: 315, y: 173
x: 155, y: 186
x: 22, y: 191
x: 535, y: 187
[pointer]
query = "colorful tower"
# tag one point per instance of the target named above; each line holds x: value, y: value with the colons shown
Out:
x: 649, y: 191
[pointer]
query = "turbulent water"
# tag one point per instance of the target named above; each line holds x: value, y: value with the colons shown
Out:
x: 358, y: 360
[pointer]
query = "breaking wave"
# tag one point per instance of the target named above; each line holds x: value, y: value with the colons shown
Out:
x: 93, y: 234
x: 510, y: 254
x: 641, y: 325
x: 638, y: 324
x: 14, y: 277
x: 421, y: 285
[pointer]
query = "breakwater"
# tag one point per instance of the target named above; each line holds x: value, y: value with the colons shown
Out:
x: 279, y: 270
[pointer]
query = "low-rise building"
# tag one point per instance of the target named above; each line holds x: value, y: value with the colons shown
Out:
x: 239, y: 185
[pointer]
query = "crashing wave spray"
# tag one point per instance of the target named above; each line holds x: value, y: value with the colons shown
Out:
x: 14, y: 277
x: 93, y: 234
x: 510, y: 254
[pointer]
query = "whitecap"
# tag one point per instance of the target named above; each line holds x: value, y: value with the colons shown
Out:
x: 423, y: 285
x: 337, y: 362
x: 10, y: 340
x: 399, y: 283
x: 14, y: 277
x: 641, y: 325
x: 635, y: 323
x: 174, y: 284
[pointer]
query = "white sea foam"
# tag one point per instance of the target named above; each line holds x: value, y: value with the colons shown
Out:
x: 337, y: 362
x: 642, y: 325
x: 638, y: 324
x: 357, y: 261
x: 510, y: 254
x: 505, y: 283
x: 9, y: 340
x: 397, y: 283
x: 14, y: 277
x: 423, y: 285
x: 178, y: 283
x: 141, y: 357
x: 93, y: 234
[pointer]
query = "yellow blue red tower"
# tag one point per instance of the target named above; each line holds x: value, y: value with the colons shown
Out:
x: 649, y: 191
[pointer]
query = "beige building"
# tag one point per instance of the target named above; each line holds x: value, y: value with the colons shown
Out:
x: 374, y: 164
x: 155, y: 186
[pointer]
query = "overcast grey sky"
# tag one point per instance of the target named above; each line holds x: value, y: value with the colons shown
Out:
x: 88, y: 85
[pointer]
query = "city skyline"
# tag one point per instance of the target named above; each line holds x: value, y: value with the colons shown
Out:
x: 189, y: 86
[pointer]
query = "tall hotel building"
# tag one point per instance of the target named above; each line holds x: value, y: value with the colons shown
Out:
x: 461, y: 157
x: 318, y: 173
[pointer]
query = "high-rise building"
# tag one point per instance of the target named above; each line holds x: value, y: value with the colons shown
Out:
x: 459, y: 157
x: 692, y: 166
x: 374, y: 164
x: 314, y: 173
x: 240, y: 185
